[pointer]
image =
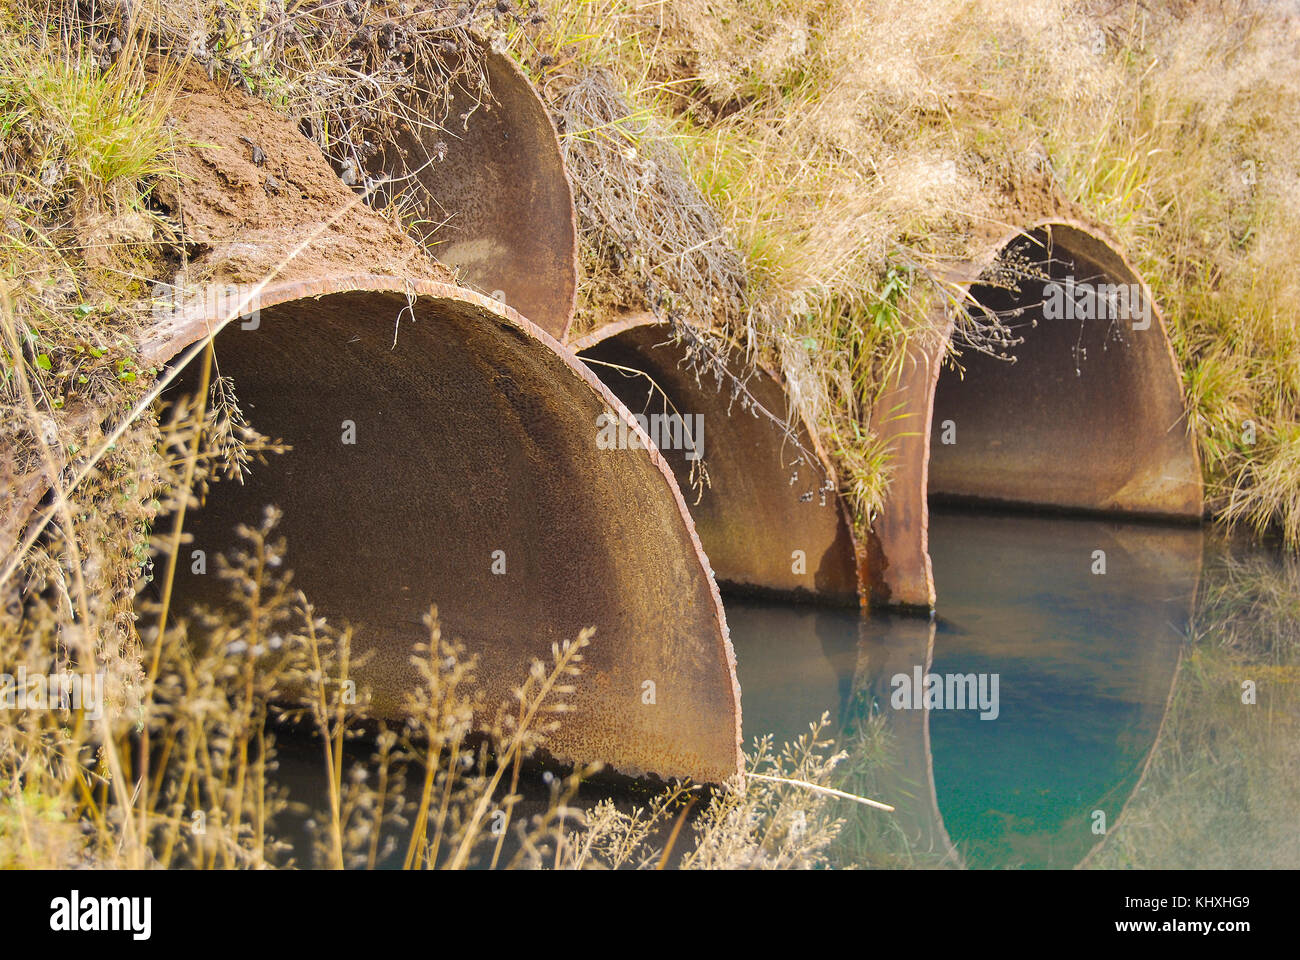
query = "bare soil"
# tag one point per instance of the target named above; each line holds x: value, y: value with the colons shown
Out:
x: 252, y: 189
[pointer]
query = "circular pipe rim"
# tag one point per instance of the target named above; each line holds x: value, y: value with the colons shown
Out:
x: 913, y: 585
x: 644, y: 320
x: 167, y: 340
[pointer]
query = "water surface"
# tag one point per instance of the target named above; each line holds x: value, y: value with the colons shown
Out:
x: 1085, y: 625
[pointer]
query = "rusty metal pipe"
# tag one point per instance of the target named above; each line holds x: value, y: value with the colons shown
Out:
x: 475, y: 432
x: 491, y: 197
x: 771, y: 519
x: 1091, y: 416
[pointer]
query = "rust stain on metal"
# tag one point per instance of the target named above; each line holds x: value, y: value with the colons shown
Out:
x: 476, y: 432
x: 494, y: 200
x: 768, y: 497
x: 1090, y: 417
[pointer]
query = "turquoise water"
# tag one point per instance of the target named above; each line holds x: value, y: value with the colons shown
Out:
x: 1086, y: 662
x: 1091, y: 668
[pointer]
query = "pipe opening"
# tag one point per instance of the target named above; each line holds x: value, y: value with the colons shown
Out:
x: 1087, y: 414
x: 1089, y: 418
x: 450, y: 458
x: 769, y: 515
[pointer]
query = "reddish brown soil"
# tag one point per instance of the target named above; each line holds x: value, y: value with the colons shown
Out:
x: 252, y: 189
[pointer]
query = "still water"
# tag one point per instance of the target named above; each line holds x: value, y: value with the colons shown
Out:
x: 1102, y: 719
x: 1078, y: 635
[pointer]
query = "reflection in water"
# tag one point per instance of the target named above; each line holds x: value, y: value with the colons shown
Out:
x: 1085, y: 662
x: 795, y: 662
x: 1104, y: 710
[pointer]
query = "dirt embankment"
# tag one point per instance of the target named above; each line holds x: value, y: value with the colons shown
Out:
x: 255, y: 198
x: 252, y: 199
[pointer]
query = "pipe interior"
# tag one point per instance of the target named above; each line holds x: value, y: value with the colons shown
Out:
x: 1086, y: 415
x: 470, y: 438
x: 490, y: 196
x: 765, y: 498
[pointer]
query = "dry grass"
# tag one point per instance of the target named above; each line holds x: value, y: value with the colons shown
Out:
x: 856, y: 149
x: 777, y: 824
x: 186, y: 773
x: 1220, y: 791
x: 789, y: 179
